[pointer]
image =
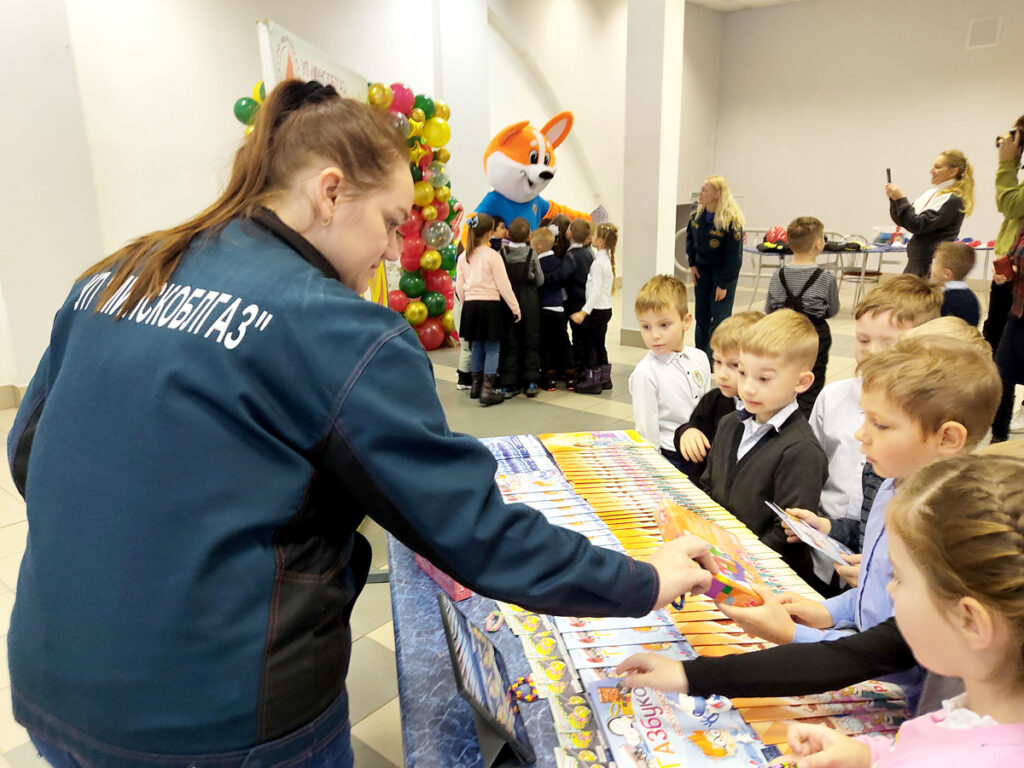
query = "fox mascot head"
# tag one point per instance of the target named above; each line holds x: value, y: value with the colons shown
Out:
x: 519, y: 163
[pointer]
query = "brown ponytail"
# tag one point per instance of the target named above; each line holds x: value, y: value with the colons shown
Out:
x: 478, y: 227
x: 298, y: 123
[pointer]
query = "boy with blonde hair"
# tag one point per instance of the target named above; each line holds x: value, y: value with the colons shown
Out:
x: 950, y: 265
x: 880, y: 317
x: 671, y: 378
x: 693, y: 439
x: 767, y: 452
x: 925, y: 399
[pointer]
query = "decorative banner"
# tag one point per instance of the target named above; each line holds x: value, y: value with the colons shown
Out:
x: 284, y: 55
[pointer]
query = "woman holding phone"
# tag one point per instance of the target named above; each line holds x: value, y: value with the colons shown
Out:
x: 937, y: 214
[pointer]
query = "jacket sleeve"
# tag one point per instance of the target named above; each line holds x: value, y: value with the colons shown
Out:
x: 691, y: 244
x: 593, y: 286
x: 733, y: 262
x: 23, y: 431
x: 833, y: 297
x: 902, y: 213
x: 803, y: 668
x: 538, y: 271
x: 702, y: 417
x: 842, y: 609
x: 500, y: 276
x: 799, y: 478
x: 460, y: 278
x: 1009, y: 194
x: 389, y: 447
x: 566, y: 268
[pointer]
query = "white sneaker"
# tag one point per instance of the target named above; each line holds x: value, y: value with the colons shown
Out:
x: 1017, y: 422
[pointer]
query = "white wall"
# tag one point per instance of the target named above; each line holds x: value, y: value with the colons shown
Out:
x: 818, y: 98
x: 702, y: 52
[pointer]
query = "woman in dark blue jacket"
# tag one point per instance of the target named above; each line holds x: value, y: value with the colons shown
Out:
x: 714, y: 248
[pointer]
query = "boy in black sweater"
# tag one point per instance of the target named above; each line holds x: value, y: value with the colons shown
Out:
x: 581, y: 257
x: 693, y: 439
x: 950, y: 265
x: 767, y: 450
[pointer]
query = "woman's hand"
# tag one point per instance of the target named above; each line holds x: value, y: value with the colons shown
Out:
x: 810, y: 613
x: 894, y: 192
x: 649, y: 670
x: 578, y: 317
x: 818, y: 746
x: 998, y: 278
x: 849, y: 573
x: 694, y: 275
x: 769, y: 620
x: 683, y: 565
x: 1009, y: 148
x: 823, y: 524
x: 720, y: 293
x: 694, y: 445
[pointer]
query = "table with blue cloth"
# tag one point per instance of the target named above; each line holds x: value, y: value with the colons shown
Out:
x: 437, y: 723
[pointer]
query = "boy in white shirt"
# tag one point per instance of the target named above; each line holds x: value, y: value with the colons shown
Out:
x: 886, y: 311
x: 671, y: 378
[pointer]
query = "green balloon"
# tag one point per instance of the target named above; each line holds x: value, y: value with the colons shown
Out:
x: 452, y: 213
x: 448, y: 256
x: 436, y: 303
x: 412, y: 284
x: 417, y: 172
x: 452, y: 273
x: 425, y: 103
x: 246, y: 109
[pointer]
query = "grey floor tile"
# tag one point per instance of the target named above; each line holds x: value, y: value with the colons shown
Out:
x: 25, y: 756
x: 367, y: 757
x: 372, y: 678
x: 373, y: 607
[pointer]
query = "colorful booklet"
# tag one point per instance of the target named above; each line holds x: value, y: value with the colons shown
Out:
x: 645, y: 727
x: 811, y: 536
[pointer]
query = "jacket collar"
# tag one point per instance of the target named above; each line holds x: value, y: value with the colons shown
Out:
x: 270, y: 221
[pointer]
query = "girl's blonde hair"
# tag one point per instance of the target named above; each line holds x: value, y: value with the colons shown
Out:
x: 478, y: 229
x: 963, y: 187
x: 297, y: 123
x: 727, y: 213
x: 609, y: 235
x: 962, y: 521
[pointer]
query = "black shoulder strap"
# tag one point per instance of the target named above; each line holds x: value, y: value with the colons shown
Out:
x: 782, y: 279
x: 814, y: 276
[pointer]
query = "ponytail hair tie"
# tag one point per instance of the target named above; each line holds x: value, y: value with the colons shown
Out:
x: 473, y: 221
x: 554, y: 229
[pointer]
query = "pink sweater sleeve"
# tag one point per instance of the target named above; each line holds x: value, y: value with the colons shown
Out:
x: 460, y: 278
x: 880, y: 746
x: 500, y: 277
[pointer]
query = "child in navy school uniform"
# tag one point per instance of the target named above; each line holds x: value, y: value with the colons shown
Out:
x: 555, y: 349
x: 581, y: 257
x: 950, y: 265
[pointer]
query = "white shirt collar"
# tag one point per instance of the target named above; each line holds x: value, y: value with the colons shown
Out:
x: 776, y: 421
x: 954, y: 285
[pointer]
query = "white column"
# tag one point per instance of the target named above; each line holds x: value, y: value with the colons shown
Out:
x: 654, y: 78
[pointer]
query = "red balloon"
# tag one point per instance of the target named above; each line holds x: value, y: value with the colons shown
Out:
x: 410, y: 261
x: 427, y: 159
x: 443, y: 209
x: 404, y: 98
x: 411, y: 226
x: 438, y: 280
x: 431, y: 333
x: 450, y: 300
x: 397, y: 301
x: 413, y: 247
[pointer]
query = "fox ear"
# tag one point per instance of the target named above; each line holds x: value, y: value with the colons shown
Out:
x: 557, y: 128
x: 508, y: 132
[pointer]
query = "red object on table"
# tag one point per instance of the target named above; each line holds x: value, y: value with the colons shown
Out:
x: 452, y: 588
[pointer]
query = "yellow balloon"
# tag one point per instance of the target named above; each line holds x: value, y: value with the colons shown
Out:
x: 249, y: 129
x: 436, y: 131
x: 380, y: 95
x: 423, y: 194
x: 442, y: 110
x: 415, y: 128
x: 416, y: 151
x: 257, y: 92
x: 448, y: 322
x: 429, y: 213
x: 441, y: 194
x: 430, y: 260
x: 442, y: 155
x: 417, y: 114
x: 415, y: 312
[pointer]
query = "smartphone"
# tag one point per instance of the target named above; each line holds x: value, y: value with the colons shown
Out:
x: 888, y: 175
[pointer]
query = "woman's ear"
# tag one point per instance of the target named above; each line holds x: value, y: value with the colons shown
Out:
x: 328, y: 190
x: 952, y: 438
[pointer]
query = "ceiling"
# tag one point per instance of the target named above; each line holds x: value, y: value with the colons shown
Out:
x: 739, y: 5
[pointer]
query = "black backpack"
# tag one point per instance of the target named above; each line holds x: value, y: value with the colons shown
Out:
x: 797, y: 302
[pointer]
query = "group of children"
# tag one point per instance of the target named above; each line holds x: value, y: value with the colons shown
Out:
x: 520, y: 292
x: 875, y: 461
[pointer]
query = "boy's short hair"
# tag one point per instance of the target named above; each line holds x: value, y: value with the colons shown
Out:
x: 783, y: 334
x: 958, y: 258
x: 579, y: 230
x: 912, y: 300
x: 518, y: 230
x: 659, y: 292
x: 726, y: 337
x: 498, y: 219
x: 950, y: 327
x: 542, y: 239
x: 935, y: 379
x: 802, y: 232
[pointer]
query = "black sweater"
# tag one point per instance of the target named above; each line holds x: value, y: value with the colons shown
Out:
x: 930, y: 227
x: 719, y: 251
x: 581, y: 257
x: 706, y: 415
x: 962, y: 303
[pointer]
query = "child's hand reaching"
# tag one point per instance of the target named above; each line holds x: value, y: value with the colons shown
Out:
x: 849, y: 573
x: 769, y: 620
x: 818, y: 746
x: 823, y: 524
x: 810, y: 613
x: 694, y: 445
x: 649, y: 670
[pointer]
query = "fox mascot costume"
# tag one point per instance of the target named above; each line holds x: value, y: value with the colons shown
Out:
x: 519, y: 163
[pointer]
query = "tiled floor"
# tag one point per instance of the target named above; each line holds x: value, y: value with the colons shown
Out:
x: 372, y: 682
